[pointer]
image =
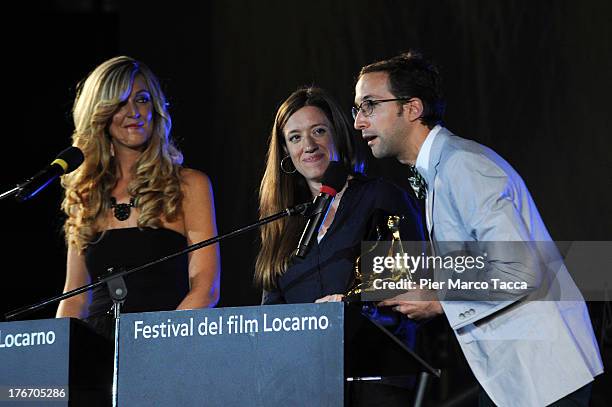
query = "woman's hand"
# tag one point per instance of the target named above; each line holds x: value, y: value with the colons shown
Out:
x: 331, y: 298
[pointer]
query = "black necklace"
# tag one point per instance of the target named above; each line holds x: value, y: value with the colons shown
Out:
x: 122, y: 210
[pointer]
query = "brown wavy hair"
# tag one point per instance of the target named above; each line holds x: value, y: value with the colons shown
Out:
x: 279, y: 190
x: 156, y: 182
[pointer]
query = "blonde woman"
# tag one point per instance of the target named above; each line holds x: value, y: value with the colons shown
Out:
x: 131, y: 201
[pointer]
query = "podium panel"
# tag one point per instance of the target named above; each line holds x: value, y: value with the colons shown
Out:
x: 277, y: 355
x: 54, y: 362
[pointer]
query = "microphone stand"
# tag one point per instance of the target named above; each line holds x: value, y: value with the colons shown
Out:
x: 118, y: 291
x: 301, y: 209
x: 11, y: 192
x: 20, y: 188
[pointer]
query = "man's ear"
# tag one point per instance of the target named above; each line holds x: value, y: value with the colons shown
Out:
x: 413, y: 109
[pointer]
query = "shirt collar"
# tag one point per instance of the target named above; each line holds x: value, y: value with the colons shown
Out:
x: 422, y: 161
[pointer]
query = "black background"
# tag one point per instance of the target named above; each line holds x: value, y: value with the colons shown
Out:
x: 529, y: 79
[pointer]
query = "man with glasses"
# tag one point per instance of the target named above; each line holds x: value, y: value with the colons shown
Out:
x: 522, y: 352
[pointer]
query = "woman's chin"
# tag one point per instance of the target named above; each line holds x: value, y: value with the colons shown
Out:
x: 314, y: 176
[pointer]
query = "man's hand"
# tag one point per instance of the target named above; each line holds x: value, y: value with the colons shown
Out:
x: 415, y: 309
x: 415, y: 304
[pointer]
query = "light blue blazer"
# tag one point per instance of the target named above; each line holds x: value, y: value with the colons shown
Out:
x: 530, y: 351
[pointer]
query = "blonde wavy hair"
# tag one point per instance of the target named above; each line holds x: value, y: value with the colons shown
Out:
x: 156, y: 183
x: 279, y: 190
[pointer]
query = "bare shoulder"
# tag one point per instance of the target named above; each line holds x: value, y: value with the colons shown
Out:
x: 194, y: 181
x: 198, y: 205
x: 196, y: 188
x: 192, y: 177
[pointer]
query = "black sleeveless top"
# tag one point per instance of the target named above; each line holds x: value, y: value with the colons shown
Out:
x: 158, y: 288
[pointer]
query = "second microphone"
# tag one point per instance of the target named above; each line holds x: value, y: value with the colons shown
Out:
x: 334, y: 179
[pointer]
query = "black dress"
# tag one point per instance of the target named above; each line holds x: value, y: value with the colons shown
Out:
x: 159, y: 288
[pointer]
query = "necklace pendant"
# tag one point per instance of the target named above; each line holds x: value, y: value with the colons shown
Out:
x: 122, y: 210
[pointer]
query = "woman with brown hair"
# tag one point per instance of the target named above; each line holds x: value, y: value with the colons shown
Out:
x: 309, y: 131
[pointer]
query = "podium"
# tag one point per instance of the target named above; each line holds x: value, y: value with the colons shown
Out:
x: 276, y: 355
x: 54, y: 362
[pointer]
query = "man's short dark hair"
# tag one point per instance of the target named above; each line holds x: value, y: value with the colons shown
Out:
x: 410, y: 75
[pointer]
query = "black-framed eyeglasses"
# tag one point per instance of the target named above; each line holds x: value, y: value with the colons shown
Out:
x: 366, y: 107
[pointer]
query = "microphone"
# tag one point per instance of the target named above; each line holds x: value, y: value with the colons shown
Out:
x: 333, y: 180
x: 65, y: 162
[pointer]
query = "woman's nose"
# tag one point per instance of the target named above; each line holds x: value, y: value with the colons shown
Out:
x: 133, y: 110
x: 309, y: 144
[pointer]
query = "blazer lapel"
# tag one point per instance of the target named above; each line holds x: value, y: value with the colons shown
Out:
x: 434, y: 161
